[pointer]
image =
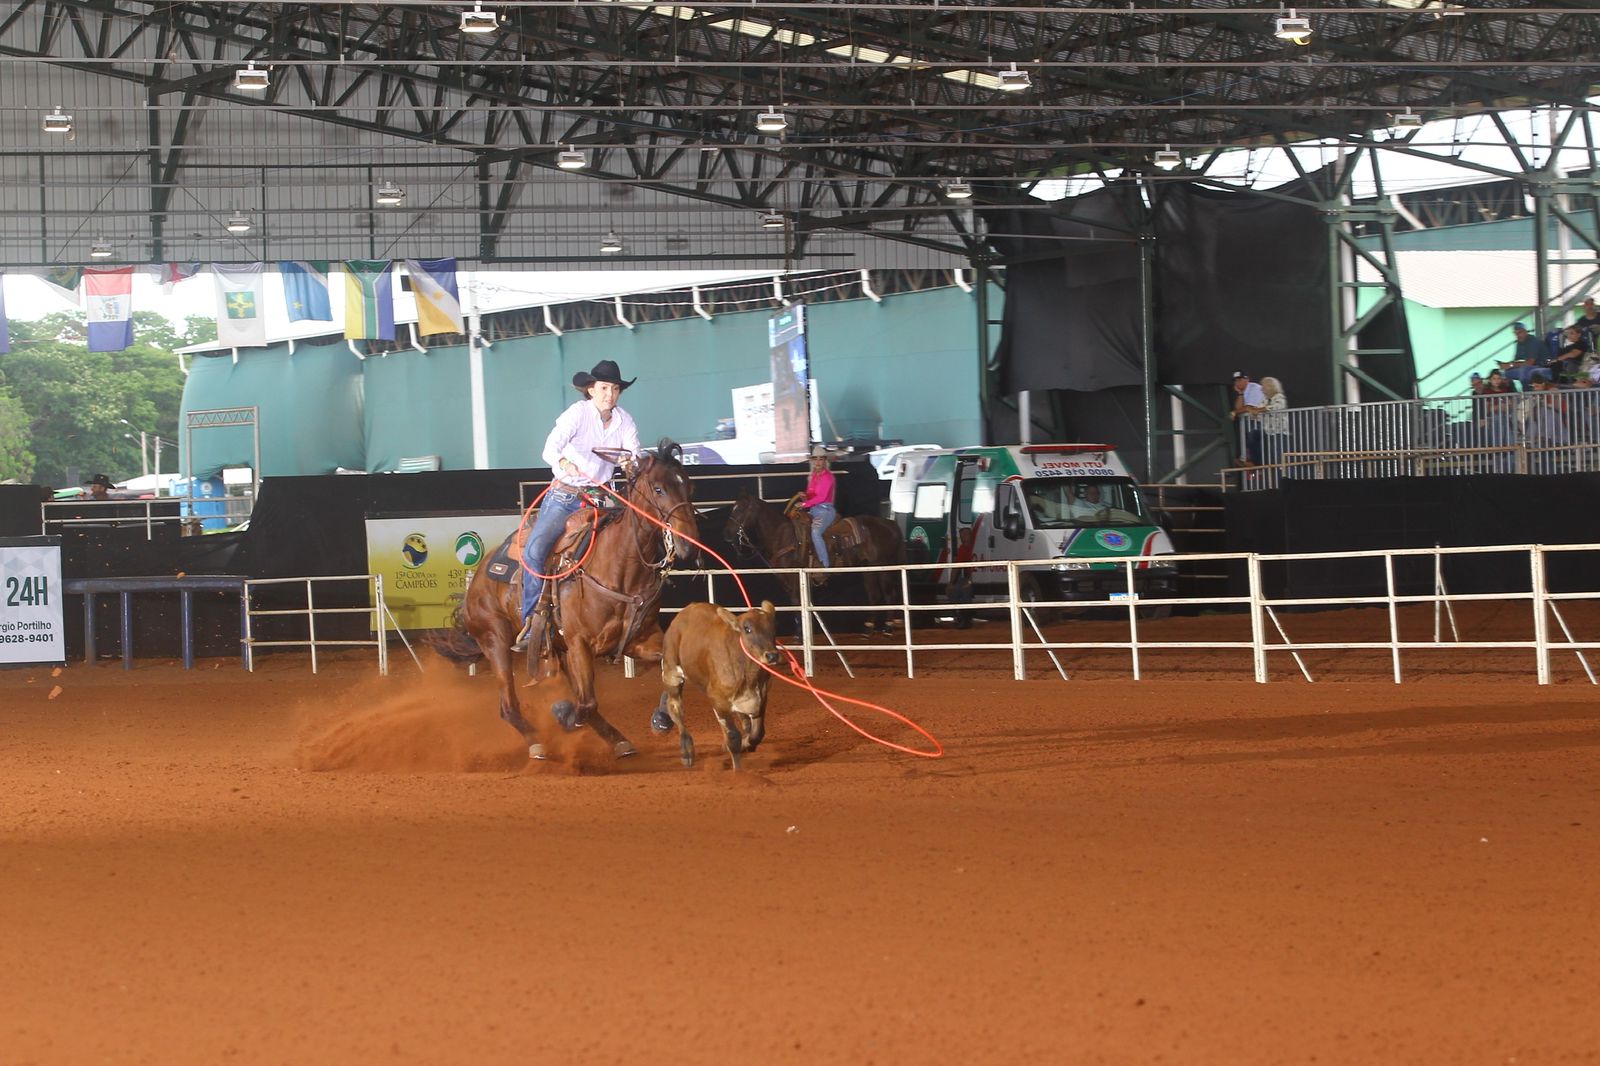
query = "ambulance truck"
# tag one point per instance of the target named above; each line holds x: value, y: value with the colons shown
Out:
x: 1074, y: 505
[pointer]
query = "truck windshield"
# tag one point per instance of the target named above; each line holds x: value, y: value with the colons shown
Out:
x: 1062, y: 503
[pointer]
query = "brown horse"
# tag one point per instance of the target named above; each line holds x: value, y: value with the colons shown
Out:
x: 761, y: 531
x: 608, y: 607
x: 867, y: 540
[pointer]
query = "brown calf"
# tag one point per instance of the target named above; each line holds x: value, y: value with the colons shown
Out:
x: 706, y: 645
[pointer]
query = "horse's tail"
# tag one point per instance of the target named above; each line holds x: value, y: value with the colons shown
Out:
x: 455, y: 643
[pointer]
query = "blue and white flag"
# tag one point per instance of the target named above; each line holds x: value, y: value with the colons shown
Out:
x: 433, y: 283
x: 108, y: 296
x: 305, y: 290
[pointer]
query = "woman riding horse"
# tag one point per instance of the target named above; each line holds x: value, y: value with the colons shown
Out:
x: 606, y: 604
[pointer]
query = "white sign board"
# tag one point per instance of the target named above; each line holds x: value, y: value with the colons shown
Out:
x: 30, y: 601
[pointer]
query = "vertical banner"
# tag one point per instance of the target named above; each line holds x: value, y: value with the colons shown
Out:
x: 425, y: 562
x: 791, y: 407
x: 109, y: 299
x: 30, y: 601
x: 433, y: 283
x: 5, y: 326
x: 241, y: 311
x: 368, y: 300
x: 305, y: 290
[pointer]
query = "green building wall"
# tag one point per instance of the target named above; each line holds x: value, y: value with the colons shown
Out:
x: 906, y: 367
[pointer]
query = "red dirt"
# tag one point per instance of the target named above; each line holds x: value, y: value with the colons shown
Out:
x: 1190, y: 870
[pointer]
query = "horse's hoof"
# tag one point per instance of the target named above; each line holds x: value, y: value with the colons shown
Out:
x: 660, y: 721
x: 536, y: 751
x: 624, y: 749
x: 566, y: 713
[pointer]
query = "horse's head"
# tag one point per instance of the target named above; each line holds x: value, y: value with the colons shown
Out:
x: 661, y: 487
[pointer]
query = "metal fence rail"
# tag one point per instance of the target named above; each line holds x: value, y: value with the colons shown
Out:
x: 1270, y: 635
x: 1551, y: 431
x: 370, y: 585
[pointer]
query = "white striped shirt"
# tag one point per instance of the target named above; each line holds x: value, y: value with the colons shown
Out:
x: 578, y: 432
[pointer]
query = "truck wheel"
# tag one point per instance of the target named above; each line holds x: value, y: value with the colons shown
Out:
x: 1032, y: 591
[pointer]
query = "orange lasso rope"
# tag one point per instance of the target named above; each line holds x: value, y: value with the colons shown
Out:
x: 594, y: 527
x: 794, y: 665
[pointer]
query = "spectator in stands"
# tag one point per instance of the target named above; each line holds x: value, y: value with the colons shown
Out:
x: 1274, y: 422
x: 593, y: 422
x: 1544, y: 423
x: 1497, y: 422
x: 100, y: 487
x: 1528, y: 354
x: 1249, y: 402
x: 1589, y: 322
x: 1565, y: 365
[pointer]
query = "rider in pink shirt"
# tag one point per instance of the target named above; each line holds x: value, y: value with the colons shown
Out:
x: 818, y: 500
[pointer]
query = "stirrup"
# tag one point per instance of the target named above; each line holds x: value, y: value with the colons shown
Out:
x: 521, y: 643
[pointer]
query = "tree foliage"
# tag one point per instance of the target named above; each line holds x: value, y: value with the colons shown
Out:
x: 73, y: 402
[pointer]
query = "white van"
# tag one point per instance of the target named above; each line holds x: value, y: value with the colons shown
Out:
x: 1074, y: 504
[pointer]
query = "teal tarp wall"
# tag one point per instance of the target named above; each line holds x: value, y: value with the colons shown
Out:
x: 419, y: 403
x: 908, y: 364
x: 309, y: 409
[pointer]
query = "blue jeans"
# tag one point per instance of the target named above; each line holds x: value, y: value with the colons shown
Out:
x: 822, y: 516
x: 557, y: 506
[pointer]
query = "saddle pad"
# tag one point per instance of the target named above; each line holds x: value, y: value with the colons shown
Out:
x: 505, y: 564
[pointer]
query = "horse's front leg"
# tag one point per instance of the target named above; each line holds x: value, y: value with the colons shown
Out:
x: 580, y: 675
x: 496, y: 647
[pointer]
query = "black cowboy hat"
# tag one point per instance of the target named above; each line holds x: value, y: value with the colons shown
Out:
x: 604, y: 370
x: 101, y: 479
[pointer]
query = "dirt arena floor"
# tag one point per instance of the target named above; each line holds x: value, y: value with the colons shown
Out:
x: 215, y: 867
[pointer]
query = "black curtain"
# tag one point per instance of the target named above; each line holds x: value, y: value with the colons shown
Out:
x: 1071, y: 317
x: 1243, y: 284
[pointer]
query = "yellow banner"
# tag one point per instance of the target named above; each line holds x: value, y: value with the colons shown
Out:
x: 425, y: 562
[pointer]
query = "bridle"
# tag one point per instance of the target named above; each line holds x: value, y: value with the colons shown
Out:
x: 669, y: 542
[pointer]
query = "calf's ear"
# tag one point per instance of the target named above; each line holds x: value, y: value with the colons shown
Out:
x: 767, y: 608
x: 728, y: 617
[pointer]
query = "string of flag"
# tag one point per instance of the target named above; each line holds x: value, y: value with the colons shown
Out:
x: 106, y: 295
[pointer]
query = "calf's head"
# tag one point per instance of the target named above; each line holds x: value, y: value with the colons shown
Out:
x: 757, y: 630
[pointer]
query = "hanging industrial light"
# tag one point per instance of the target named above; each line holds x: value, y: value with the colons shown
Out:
x: 772, y: 220
x: 612, y: 244
x: 1410, y: 120
x: 1293, y: 28
x: 571, y: 159
x: 238, y: 223
x: 252, y: 79
x: 1013, y: 80
x: 1167, y: 158
x: 957, y: 189
x: 772, y: 121
x: 478, y: 20
x: 57, y: 121
x: 100, y: 250
x: 390, y: 195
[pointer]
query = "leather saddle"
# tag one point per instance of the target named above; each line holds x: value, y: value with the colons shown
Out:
x: 505, y: 563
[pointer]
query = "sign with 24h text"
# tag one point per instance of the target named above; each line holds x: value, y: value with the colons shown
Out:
x: 30, y: 601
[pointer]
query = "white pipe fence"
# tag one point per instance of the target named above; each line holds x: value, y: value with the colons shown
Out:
x: 57, y: 515
x: 1551, y: 431
x: 372, y: 586
x: 1270, y: 633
